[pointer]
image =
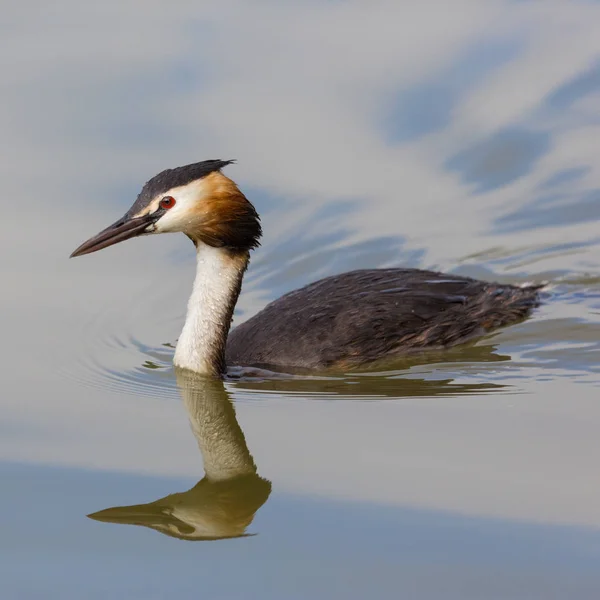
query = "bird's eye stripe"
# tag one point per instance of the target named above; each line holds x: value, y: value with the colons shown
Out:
x: 167, y: 202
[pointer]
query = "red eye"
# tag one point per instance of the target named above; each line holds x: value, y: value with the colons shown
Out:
x: 167, y: 202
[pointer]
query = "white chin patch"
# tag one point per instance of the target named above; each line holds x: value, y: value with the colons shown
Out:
x: 183, y: 215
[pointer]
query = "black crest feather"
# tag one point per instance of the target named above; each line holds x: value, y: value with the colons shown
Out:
x: 171, y: 178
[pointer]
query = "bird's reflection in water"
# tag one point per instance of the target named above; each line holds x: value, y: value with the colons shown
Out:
x: 408, y: 377
x: 223, y: 503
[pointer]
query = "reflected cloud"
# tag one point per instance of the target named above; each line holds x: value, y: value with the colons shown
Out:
x: 550, y: 209
x: 575, y: 89
x: 564, y: 177
x: 429, y: 107
x: 223, y: 503
x: 500, y: 160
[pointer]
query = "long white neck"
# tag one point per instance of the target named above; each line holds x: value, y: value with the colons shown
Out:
x: 201, y: 345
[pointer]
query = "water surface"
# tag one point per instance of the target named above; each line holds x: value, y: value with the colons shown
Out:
x: 366, y: 137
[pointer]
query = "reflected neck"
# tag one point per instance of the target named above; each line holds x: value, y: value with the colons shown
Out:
x: 212, y: 418
x: 201, y: 345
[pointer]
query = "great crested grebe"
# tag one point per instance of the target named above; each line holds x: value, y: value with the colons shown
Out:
x: 340, y: 322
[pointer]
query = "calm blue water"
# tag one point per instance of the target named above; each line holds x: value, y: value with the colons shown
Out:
x: 307, y: 547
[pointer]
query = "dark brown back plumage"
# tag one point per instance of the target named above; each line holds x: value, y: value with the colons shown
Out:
x: 360, y: 317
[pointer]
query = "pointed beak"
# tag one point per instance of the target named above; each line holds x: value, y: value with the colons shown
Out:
x: 150, y: 515
x: 138, y: 514
x: 123, y: 229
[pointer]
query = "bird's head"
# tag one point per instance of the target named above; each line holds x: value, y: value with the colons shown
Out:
x: 197, y: 200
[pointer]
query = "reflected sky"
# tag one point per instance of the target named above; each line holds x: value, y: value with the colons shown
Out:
x: 366, y: 135
x: 344, y: 550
